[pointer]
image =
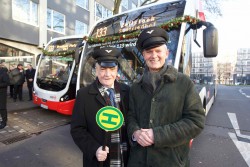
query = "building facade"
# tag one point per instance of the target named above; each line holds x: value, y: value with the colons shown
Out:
x: 242, y: 67
x: 225, y: 72
x: 27, y: 25
x: 203, y: 69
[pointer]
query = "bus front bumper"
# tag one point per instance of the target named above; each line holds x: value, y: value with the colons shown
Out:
x: 65, y: 107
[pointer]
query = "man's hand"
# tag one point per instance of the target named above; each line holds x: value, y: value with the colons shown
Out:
x: 144, y: 137
x: 102, y: 155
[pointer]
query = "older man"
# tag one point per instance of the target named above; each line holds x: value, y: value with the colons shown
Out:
x: 165, y: 111
x: 88, y: 136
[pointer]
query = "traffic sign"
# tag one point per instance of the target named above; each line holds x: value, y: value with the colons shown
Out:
x: 109, y: 118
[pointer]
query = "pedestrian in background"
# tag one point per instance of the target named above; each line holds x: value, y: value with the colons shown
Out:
x: 11, y: 81
x: 165, y: 111
x: 87, y: 135
x: 18, y: 76
x: 29, y: 75
x: 4, y: 82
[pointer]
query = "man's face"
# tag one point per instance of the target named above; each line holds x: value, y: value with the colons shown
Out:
x: 155, y: 58
x: 29, y: 66
x: 106, y: 75
x: 20, y: 67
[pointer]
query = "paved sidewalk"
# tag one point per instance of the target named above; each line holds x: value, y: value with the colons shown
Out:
x: 26, y: 119
x: 20, y: 105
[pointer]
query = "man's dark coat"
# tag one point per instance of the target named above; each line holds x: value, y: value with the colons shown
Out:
x: 87, y: 135
x: 30, y: 74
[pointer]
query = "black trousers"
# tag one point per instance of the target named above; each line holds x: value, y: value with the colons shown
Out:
x: 11, y: 90
x: 18, y: 90
x: 3, y: 115
x: 30, y: 91
x: 3, y: 104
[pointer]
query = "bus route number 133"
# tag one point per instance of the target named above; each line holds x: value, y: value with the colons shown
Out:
x: 101, y: 32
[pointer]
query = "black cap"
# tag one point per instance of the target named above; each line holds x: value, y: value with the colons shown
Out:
x: 107, y: 56
x: 151, y: 37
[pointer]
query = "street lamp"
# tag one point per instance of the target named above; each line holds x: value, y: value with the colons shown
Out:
x: 241, y: 71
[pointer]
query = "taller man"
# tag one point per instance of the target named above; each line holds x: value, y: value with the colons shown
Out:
x: 165, y: 111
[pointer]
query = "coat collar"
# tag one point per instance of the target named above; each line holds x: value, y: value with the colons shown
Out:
x: 95, y: 91
x: 94, y: 88
x: 170, y: 75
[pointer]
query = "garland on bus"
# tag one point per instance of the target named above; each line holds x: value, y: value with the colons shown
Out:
x: 176, y: 22
x: 58, y: 53
x: 168, y: 26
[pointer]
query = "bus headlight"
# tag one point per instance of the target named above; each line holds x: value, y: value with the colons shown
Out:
x: 64, y: 98
x: 34, y: 92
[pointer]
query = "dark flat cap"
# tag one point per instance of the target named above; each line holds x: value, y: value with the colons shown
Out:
x: 151, y: 37
x: 107, y: 56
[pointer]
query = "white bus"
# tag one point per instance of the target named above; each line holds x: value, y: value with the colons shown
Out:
x: 56, y: 75
x: 180, y: 19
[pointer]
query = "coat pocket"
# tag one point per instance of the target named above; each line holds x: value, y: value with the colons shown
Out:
x: 180, y: 154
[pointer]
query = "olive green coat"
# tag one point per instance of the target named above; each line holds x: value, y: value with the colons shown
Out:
x: 175, y: 114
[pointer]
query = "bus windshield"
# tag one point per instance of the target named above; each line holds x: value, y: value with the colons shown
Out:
x: 56, y: 64
x: 121, y: 31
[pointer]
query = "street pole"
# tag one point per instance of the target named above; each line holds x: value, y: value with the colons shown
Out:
x: 241, y: 71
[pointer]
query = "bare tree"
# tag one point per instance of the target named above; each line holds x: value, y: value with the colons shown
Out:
x: 213, y: 7
x: 220, y: 71
x: 117, y: 4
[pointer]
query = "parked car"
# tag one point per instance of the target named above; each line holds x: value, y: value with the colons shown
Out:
x: 239, y: 83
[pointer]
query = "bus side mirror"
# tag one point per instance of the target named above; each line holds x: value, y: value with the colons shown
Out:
x: 210, y: 42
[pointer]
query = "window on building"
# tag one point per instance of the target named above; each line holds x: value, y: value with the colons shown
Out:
x: 133, y: 5
x: 55, y: 21
x: 81, y: 28
x: 98, y: 11
x: 13, y: 56
x: 124, y: 4
x: 109, y: 13
x: 25, y: 11
x: 140, y: 2
x: 101, y: 11
x: 83, y: 3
